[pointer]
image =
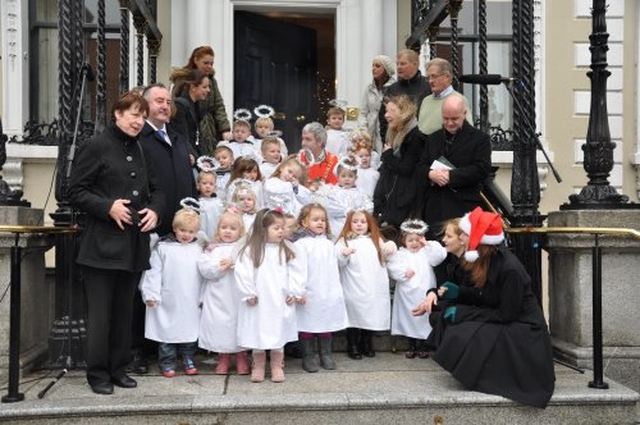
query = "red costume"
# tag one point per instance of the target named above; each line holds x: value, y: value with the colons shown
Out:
x: 323, y: 170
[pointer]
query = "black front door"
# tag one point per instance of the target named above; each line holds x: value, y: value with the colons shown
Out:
x: 276, y: 65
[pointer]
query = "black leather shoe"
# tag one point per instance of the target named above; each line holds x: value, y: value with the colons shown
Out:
x: 104, y: 388
x: 353, y: 353
x: 124, y: 382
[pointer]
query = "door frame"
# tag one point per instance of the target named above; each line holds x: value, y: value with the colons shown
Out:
x: 375, y: 18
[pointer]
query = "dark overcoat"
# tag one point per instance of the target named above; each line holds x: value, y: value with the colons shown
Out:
x: 172, y: 169
x: 470, y: 154
x: 108, y: 167
x: 499, y: 342
x: 395, y: 192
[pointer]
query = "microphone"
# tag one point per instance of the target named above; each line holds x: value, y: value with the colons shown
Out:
x: 485, y: 79
x: 87, y: 70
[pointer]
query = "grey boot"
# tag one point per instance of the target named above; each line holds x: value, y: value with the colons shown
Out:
x: 325, y: 354
x: 309, y: 351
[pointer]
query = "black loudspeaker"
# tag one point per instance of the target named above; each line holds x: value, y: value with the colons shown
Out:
x: 494, y: 198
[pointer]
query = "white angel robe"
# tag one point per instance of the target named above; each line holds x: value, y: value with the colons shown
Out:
x: 410, y: 292
x: 281, y: 194
x: 175, y: 284
x: 220, y: 301
x: 267, y: 168
x: 337, y: 142
x: 367, y: 180
x: 325, y: 310
x: 338, y: 201
x: 365, y: 284
x: 271, y: 323
x: 210, y: 211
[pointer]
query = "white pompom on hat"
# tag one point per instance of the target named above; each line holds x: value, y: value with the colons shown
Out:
x: 387, y: 63
x: 483, y: 228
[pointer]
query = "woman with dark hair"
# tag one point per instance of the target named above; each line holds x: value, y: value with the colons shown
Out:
x: 215, y: 124
x: 193, y: 89
x: 395, y: 192
x: 492, y: 335
x: 112, y: 183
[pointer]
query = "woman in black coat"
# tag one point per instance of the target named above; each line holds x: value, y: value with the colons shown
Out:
x: 492, y: 336
x: 395, y: 192
x: 112, y: 183
x: 191, y: 90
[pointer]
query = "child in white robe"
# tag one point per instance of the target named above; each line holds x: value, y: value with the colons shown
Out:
x: 269, y: 279
x: 272, y: 155
x: 325, y: 311
x: 412, y: 268
x: 341, y: 198
x: 337, y: 137
x: 244, y: 201
x: 286, y: 188
x: 368, y: 176
x: 220, y: 297
x: 365, y: 282
x: 245, y: 171
x: 211, y: 206
x: 171, y: 291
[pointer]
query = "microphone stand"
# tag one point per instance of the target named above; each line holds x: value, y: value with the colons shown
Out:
x: 530, y: 127
x: 68, y: 361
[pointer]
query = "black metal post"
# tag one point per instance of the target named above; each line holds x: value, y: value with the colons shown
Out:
x: 64, y: 351
x: 483, y: 63
x: 598, y: 149
x: 13, y: 394
x: 596, y: 261
x: 124, y: 46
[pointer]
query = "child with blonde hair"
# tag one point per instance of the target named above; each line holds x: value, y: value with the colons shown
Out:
x: 269, y: 279
x: 363, y: 254
x: 324, y: 311
x: 286, y: 189
x: 171, y: 291
x: 412, y: 268
x: 245, y: 202
x: 245, y: 171
x: 220, y: 297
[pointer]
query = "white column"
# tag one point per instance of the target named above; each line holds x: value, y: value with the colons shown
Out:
x: 15, y: 66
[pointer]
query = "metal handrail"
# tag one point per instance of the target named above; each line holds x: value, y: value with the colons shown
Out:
x: 596, y: 252
x: 13, y: 393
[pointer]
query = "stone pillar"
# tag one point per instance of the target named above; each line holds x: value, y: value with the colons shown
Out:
x: 570, y: 292
x: 37, y: 296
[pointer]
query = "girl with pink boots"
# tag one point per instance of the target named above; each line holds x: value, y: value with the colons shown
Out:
x: 269, y: 279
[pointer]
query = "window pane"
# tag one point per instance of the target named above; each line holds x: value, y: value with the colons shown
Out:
x: 111, y: 10
x: 47, y: 74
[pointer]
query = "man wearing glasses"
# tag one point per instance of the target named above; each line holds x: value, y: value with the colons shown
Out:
x: 440, y: 75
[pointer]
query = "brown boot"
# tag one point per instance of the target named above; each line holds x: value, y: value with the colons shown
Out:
x: 242, y: 367
x: 277, y: 366
x: 223, y: 364
x: 259, y: 360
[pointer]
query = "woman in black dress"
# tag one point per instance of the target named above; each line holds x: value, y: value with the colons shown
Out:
x: 492, y: 335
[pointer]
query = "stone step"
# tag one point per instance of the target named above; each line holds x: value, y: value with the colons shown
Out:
x: 385, y: 389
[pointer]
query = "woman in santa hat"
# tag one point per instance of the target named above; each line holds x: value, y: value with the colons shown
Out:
x: 492, y: 337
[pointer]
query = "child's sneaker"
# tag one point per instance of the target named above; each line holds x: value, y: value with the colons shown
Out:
x: 168, y: 373
x: 190, y: 366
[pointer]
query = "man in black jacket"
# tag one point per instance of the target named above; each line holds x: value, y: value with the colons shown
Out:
x: 410, y: 82
x: 167, y: 154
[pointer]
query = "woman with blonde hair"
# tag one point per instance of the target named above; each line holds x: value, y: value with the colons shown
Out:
x: 396, y: 189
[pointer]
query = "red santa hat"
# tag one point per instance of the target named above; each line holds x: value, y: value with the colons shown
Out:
x: 483, y: 228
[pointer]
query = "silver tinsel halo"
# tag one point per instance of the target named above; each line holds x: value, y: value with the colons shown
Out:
x: 418, y: 227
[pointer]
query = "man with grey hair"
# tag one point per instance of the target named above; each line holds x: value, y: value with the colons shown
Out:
x: 440, y: 76
x: 319, y: 161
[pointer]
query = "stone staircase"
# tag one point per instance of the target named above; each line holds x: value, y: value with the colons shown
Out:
x: 387, y: 389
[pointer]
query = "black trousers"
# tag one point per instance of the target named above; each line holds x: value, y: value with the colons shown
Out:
x: 109, y: 295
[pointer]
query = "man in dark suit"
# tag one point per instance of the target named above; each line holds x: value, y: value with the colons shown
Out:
x: 167, y: 154
x: 455, y: 161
